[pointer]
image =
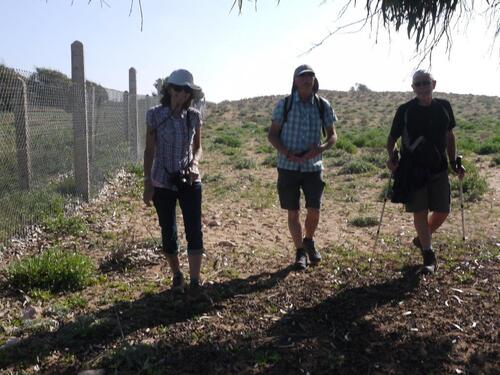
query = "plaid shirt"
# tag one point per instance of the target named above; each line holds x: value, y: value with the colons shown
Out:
x: 174, y: 142
x: 303, y: 128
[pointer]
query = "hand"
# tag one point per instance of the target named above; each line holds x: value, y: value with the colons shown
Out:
x: 295, y: 158
x: 314, y: 151
x: 194, y: 172
x: 459, y: 170
x: 149, y: 191
x: 193, y: 176
x: 392, y: 164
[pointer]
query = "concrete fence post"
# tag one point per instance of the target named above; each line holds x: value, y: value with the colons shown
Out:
x: 80, y: 124
x: 23, y: 147
x: 133, y: 119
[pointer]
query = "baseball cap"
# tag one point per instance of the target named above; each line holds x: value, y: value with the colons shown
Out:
x: 303, y: 69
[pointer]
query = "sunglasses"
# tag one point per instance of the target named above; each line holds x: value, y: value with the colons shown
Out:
x: 186, y: 89
x: 422, y: 83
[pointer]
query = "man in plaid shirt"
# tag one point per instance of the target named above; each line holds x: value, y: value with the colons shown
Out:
x: 296, y: 133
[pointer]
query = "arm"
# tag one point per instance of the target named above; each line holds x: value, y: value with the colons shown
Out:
x: 194, y: 172
x: 452, y: 156
x: 450, y: 147
x: 392, y: 162
x: 274, y: 138
x: 149, y: 153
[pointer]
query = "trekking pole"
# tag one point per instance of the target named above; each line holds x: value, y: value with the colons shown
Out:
x: 460, y: 188
x: 386, y: 194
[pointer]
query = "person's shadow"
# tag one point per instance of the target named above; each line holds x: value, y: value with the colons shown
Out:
x: 344, y: 335
x: 122, y: 319
x: 340, y: 335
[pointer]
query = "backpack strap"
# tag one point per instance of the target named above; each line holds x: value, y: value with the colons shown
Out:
x: 288, y: 107
x: 320, y: 104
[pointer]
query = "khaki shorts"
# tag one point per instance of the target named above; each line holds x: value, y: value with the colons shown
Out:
x: 434, y: 196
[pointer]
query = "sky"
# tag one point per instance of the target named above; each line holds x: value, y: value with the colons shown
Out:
x: 234, y: 56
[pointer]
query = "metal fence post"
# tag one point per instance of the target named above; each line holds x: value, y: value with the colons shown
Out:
x: 133, y: 119
x: 80, y: 127
x: 125, y: 115
x: 23, y: 147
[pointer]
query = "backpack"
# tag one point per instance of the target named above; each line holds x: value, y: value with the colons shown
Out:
x: 320, y: 104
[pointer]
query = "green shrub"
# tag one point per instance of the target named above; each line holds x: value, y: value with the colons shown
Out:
x: 356, y: 167
x: 62, y: 225
x: 367, y: 221
x: 244, y: 164
x: 374, y: 137
x: 377, y: 158
x: 228, y: 140
x: 465, y: 143
x: 490, y: 147
x: 474, y: 185
x: 55, y: 270
x: 135, y: 169
x: 209, y: 178
x: 266, y: 149
x: 230, y: 151
x: 270, y: 161
x: 346, y: 145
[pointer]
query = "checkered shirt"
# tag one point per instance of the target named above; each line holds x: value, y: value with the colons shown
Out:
x: 174, y: 141
x: 302, y: 128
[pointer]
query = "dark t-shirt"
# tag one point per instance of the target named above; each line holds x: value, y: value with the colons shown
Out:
x: 433, y: 122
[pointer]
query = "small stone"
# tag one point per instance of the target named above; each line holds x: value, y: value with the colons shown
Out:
x: 93, y: 372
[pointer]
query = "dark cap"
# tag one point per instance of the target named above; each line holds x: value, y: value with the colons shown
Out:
x: 302, y: 69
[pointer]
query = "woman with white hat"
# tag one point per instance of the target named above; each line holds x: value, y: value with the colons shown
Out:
x: 171, y: 174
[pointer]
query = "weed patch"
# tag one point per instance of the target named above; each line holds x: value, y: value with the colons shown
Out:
x: 55, y: 270
x: 357, y: 167
x: 364, y: 221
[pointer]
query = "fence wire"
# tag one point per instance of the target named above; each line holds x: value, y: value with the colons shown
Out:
x: 39, y: 130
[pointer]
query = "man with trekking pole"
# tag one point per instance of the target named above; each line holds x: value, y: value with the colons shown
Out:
x: 295, y: 132
x: 425, y: 125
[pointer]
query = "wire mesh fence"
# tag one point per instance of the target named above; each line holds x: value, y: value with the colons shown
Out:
x: 41, y: 142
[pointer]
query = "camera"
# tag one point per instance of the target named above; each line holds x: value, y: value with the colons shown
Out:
x: 181, y: 179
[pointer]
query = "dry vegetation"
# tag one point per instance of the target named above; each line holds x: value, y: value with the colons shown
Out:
x: 347, y: 315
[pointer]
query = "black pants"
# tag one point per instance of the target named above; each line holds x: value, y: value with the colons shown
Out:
x: 165, y: 201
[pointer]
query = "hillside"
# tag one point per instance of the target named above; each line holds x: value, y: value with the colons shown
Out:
x: 362, y: 310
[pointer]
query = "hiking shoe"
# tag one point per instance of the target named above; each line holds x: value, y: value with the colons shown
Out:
x: 196, y: 292
x: 194, y: 284
x: 301, y: 259
x: 430, y: 263
x: 178, y: 283
x: 416, y: 243
x: 314, y: 255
